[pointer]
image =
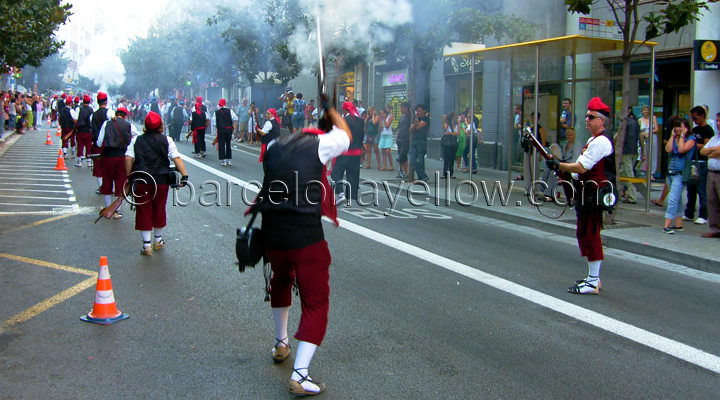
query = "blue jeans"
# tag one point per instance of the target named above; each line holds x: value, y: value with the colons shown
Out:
x: 466, y: 152
x: 674, y: 197
x: 298, y: 121
x: 417, y: 158
x: 695, y: 191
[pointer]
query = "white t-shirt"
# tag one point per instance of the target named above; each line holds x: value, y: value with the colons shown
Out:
x: 331, y: 145
x: 598, y: 147
x: 172, y: 148
x: 101, y: 135
x: 713, y: 163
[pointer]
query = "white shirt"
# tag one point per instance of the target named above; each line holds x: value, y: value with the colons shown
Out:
x: 267, y: 127
x: 101, y: 136
x: 713, y: 163
x: 232, y: 113
x: 332, y: 144
x: 598, y: 147
x: 172, y: 148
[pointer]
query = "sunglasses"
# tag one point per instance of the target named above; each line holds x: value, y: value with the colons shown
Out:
x: 591, y: 117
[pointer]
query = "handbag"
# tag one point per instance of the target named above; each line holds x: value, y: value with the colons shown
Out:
x: 690, y: 174
x: 248, y: 245
x: 448, y: 140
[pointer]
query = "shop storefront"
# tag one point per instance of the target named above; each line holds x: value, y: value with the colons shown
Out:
x: 395, y: 88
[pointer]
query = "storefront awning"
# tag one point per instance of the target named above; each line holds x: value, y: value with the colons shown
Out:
x: 549, y: 48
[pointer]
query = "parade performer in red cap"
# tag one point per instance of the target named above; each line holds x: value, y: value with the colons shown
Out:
x: 269, y: 132
x: 292, y: 235
x: 226, y: 122
x: 68, y: 119
x: 99, y: 117
x: 84, y: 131
x: 114, y: 137
x: 594, y: 169
x: 198, y: 123
x: 348, y: 163
x: 148, y: 155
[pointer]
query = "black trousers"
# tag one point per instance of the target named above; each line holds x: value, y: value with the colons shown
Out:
x: 224, y: 138
x: 200, y: 144
x: 449, y: 159
x: 349, y: 168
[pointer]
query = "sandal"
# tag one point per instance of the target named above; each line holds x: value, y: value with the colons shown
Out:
x: 297, y: 388
x: 657, y: 202
x: 583, y: 287
x: 280, y: 353
x: 599, y: 284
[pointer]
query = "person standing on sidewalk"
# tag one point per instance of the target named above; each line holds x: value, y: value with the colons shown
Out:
x: 449, y: 143
x: 243, y: 116
x: 403, y: 140
x: 149, y: 154
x: 595, y: 160
x: 630, y: 154
x: 226, y: 123
x: 680, y: 148
x: 418, y: 141
x: 386, y: 142
x: 711, y: 151
x: 697, y: 192
x: 294, y: 242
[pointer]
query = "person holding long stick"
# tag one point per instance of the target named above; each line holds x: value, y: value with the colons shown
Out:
x: 595, y: 163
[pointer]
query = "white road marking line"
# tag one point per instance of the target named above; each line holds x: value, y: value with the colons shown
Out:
x: 32, y: 179
x: 16, y: 184
x: 37, y: 197
x: 3, y: 174
x: 34, y: 205
x: 668, y: 346
x: 35, y: 190
x: 39, y: 170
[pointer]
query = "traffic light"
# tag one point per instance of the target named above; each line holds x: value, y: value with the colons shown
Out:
x: 188, y: 83
x: 18, y: 73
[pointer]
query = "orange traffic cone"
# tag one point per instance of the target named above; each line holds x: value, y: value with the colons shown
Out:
x: 60, y: 166
x: 48, y: 140
x: 104, y: 310
x: 59, y: 131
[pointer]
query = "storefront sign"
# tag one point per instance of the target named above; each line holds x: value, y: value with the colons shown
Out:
x: 460, y: 65
x: 394, y: 78
x: 706, y: 55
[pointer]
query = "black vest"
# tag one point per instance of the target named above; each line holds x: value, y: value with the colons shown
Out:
x: 113, y: 144
x: 198, y: 121
x: 273, y: 134
x: 84, y: 119
x: 358, y: 131
x: 66, y: 120
x: 96, y: 122
x: 292, y: 207
x: 151, y: 156
x: 223, y: 118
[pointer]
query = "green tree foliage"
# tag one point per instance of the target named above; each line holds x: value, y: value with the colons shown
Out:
x: 667, y: 16
x: 27, y: 31
x: 49, y: 74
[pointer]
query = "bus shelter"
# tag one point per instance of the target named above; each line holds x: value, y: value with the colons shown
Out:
x: 539, y: 75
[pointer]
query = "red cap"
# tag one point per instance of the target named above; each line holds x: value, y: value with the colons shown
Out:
x: 596, y: 104
x: 122, y: 110
x: 68, y: 100
x: 222, y: 103
x: 350, y: 108
x: 198, y: 99
x: 77, y: 99
x: 101, y: 96
x: 153, y: 120
x: 55, y: 97
x: 86, y: 99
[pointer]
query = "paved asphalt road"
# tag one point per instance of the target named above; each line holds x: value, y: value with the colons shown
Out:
x: 426, y: 303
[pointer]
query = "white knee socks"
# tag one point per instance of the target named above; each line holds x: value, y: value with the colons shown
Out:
x: 280, y: 316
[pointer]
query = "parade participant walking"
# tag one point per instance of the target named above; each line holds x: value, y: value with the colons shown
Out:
x: 226, y: 123
x: 596, y: 160
x: 199, y: 122
x: 270, y: 130
x: 68, y: 119
x: 84, y: 131
x: 292, y: 234
x: 176, y: 118
x: 348, y: 164
x: 114, y: 137
x: 96, y: 123
x: 149, y: 154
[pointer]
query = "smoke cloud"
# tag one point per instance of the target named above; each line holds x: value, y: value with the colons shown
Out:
x: 350, y: 26
x: 103, y: 65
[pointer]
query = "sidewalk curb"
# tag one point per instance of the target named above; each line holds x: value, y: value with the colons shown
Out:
x: 610, y: 241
